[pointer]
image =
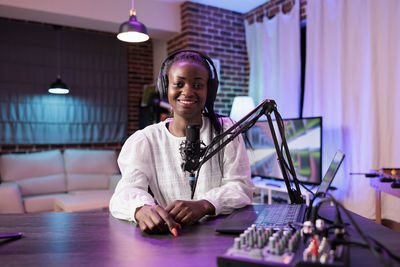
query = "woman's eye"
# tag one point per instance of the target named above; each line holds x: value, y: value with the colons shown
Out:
x: 197, y: 85
x: 178, y: 84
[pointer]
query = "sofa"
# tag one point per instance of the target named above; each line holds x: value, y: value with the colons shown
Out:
x: 37, y: 182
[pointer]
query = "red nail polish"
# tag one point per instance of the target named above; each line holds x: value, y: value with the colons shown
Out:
x: 174, y: 232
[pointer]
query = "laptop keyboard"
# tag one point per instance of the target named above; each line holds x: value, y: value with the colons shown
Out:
x: 278, y: 215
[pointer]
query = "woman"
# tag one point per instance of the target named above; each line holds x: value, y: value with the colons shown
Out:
x: 150, y: 158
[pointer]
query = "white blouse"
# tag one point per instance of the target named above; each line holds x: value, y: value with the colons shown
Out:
x: 151, y: 158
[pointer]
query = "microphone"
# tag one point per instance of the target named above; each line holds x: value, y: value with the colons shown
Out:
x: 191, y: 152
x: 162, y: 104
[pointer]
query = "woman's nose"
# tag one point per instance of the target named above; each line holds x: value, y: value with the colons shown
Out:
x: 188, y: 90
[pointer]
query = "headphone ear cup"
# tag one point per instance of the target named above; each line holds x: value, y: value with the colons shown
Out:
x: 162, y: 87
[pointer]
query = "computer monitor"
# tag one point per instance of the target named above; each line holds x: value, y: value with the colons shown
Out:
x: 304, y: 138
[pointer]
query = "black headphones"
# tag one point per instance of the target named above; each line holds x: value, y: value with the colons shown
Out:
x: 212, y: 86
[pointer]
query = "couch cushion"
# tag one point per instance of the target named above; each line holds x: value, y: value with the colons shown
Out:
x: 40, y: 203
x: 43, y: 185
x: 15, y: 167
x: 89, y: 169
x: 87, y: 181
x: 80, y: 161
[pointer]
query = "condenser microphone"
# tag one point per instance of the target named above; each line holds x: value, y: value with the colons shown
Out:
x: 191, y: 151
x: 190, y: 148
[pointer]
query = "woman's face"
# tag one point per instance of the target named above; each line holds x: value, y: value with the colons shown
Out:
x: 187, y: 90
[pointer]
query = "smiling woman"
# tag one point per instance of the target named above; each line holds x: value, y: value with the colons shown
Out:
x: 187, y: 92
x: 198, y: 62
x: 151, y: 158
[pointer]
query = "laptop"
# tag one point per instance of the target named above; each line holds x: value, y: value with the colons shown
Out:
x: 277, y: 216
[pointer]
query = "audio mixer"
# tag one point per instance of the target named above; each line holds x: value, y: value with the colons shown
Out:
x: 289, y: 247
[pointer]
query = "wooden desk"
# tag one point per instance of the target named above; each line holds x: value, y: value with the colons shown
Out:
x: 97, y: 239
x: 381, y: 187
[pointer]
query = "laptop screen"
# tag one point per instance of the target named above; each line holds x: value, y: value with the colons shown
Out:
x: 331, y: 172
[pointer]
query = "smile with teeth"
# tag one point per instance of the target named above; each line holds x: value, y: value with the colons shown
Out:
x: 186, y: 101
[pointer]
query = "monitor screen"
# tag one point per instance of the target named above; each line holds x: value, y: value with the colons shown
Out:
x: 304, y: 138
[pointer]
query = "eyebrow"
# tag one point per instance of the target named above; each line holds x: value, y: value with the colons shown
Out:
x: 196, y: 78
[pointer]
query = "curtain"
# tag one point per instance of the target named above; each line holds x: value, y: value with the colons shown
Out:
x: 353, y: 81
x: 273, y: 47
x: 92, y: 64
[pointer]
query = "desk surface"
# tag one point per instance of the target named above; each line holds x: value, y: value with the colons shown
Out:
x: 96, y: 238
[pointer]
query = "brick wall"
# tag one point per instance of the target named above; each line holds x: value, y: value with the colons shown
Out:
x: 273, y: 7
x: 218, y: 33
x: 303, y: 11
x: 140, y: 73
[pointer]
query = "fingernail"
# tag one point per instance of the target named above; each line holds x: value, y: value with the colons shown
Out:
x: 174, y: 232
x: 179, y: 226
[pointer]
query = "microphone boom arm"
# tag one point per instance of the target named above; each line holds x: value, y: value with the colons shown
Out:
x: 264, y: 108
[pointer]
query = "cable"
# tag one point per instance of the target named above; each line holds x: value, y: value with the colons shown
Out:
x: 365, y: 237
x: 378, y: 246
x: 290, y: 171
x: 280, y: 121
x: 381, y: 246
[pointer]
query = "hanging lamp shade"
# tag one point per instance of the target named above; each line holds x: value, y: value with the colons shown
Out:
x: 58, y: 87
x: 132, y: 31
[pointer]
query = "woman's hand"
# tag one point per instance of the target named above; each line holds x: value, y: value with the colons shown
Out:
x: 190, y: 211
x: 155, y: 219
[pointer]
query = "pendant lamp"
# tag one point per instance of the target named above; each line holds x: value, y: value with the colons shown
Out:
x: 58, y: 87
x: 132, y: 31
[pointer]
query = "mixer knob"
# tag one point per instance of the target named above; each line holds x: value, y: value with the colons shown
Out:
x: 260, y: 242
x: 271, y: 242
x: 236, y: 243
x: 242, y: 239
x: 251, y: 241
x: 291, y: 245
x: 277, y: 248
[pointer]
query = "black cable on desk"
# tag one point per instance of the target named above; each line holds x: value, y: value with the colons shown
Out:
x: 367, y: 239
